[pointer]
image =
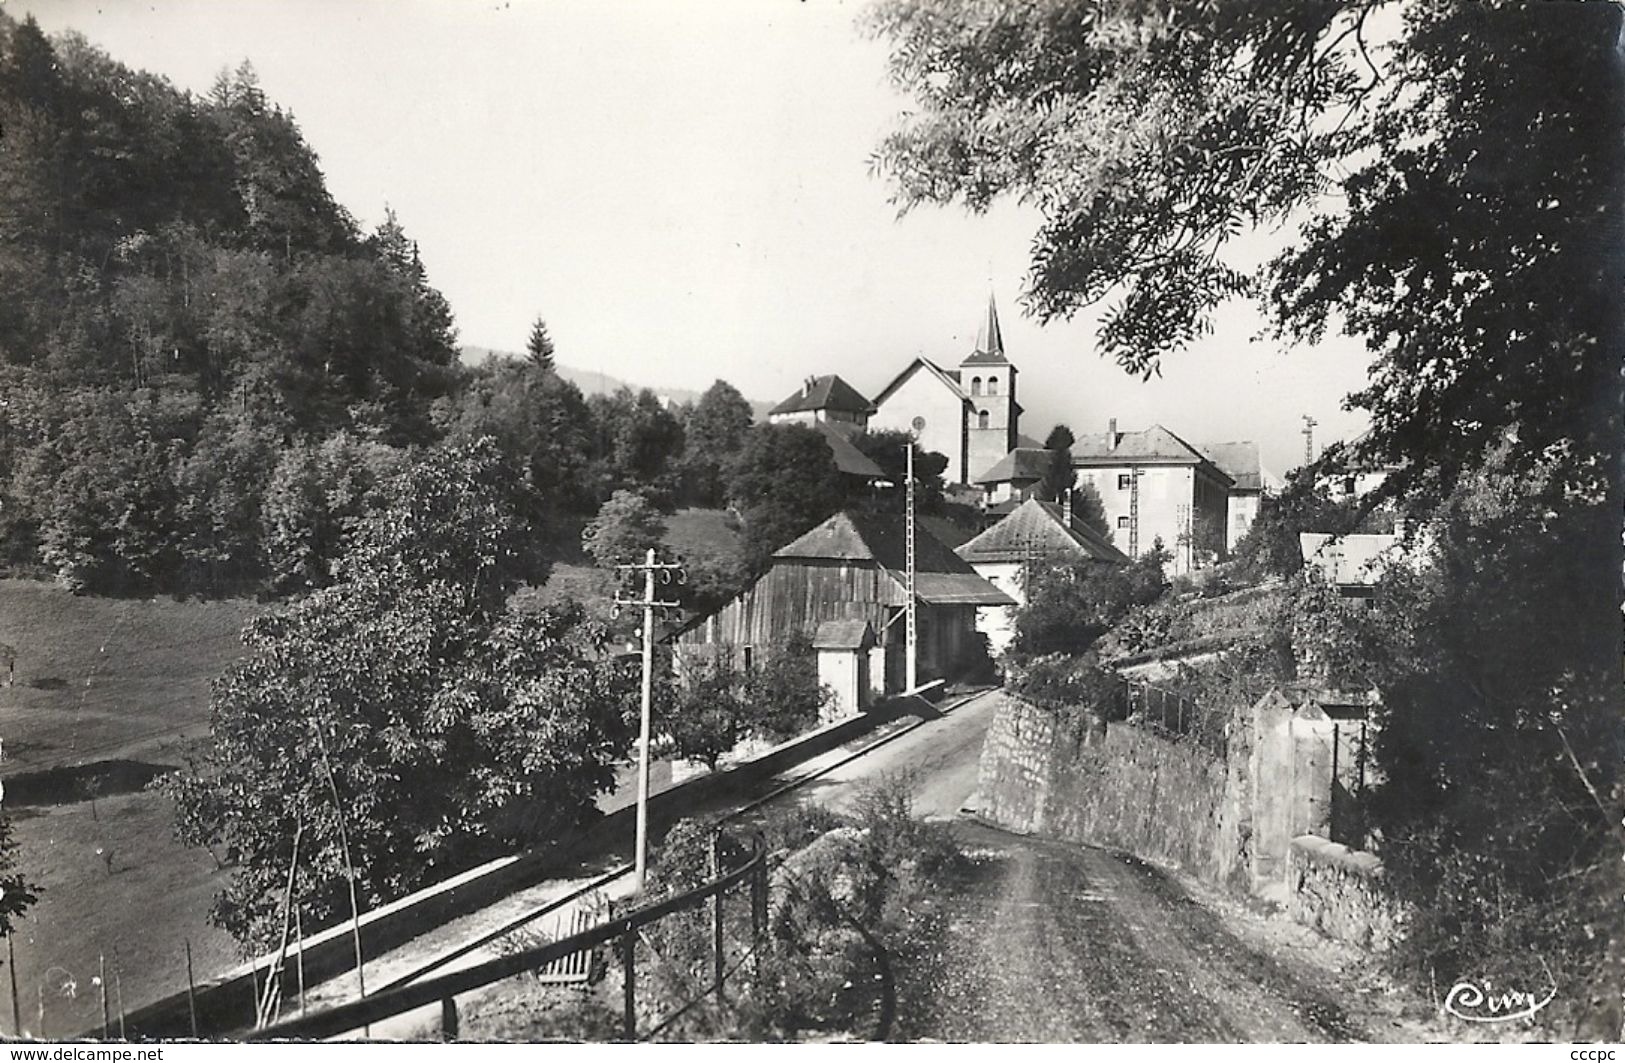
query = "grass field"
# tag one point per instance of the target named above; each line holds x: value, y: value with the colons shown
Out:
x: 104, y: 678
x: 137, y: 904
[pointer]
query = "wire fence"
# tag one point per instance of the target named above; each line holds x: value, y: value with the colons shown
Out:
x: 677, y: 958
x: 1175, y: 714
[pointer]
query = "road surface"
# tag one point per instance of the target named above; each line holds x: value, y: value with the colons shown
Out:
x: 1046, y: 942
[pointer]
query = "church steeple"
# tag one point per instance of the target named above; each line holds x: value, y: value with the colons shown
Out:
x: 989, y: 340
x: 989, y: 382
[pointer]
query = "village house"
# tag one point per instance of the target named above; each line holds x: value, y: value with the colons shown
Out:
x: 1155, y: 486
x: 1033, y: 533
x: 1013, y: 479
x: 852, y: 567
x: 1240, y: 461
x: 1358, y: 471
x: 836, y: 409
x: 1351, y: 563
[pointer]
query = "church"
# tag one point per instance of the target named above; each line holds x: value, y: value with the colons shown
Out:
x: 970, y: 412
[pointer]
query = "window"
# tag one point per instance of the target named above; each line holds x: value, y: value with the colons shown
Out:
x: 1125, y: 480
x: 975, y: 385
x: 992, y: 385
x: 981, y: 419
x: 1122, y: 522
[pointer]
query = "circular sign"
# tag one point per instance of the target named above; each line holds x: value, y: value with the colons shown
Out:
x: 919, y: 424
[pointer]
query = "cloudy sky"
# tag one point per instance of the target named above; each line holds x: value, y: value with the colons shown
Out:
x: 682, y: 189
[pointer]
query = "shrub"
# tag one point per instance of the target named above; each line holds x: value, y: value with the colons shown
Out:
x: 1061, y: 683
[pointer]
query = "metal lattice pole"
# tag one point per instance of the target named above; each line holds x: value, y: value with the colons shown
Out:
x: 912, y: 664
x: 1134, y: 513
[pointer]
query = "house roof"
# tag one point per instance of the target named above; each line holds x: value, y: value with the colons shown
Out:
x: 941, y: 577
x: 1021, y: 464
x: 843, y: 635
x: 989, y: 340
x: 827, y: 392
x: 1348, y: 560
x: 1239, y: 461
x: 848, y: 458
x: 1040, y: 528
x: 1150, y: 446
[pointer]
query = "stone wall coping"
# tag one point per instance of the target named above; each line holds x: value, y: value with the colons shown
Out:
x: 1324, y: 851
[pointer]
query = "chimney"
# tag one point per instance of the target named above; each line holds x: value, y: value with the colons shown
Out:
x: 1111, y: 434
x: 807, y: 385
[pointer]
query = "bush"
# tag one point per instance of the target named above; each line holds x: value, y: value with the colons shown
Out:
x: 1061, y: 683
x: 783, y: 691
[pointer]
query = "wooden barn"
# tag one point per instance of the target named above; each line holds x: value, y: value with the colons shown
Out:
x: 853, y: 567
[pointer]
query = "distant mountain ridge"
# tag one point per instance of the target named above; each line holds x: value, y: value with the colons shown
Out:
x: 592, y: 382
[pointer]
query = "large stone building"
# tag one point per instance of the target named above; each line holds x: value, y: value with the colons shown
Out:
x: 971, y: 414
x: 1155, y: 486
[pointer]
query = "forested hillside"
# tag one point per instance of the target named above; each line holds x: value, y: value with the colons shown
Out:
x: 209, y: 373
x: 190, y: 327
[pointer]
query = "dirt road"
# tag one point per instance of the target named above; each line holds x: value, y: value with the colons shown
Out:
x: 1044, y: 942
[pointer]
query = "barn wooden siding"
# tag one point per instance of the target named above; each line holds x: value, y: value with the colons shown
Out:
x: 800, y: 594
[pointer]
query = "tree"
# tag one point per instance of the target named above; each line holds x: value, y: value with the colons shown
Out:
x: 783, y: 483
x: 782, y: 692
x: 708, y: 717
x: 624, y: 529
x: 639, y: 440
x: 889, y: 449
x: 1059, y: 476
x: 410, y: 662
x: 17, y: 892
x: 713, y: 431
x: 1475, y: 159
x: 539, y: 347
x: 1090, y: 511
x: 1070, y: 604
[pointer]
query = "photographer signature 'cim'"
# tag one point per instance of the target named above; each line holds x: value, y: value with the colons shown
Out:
x: 1473, y: 1002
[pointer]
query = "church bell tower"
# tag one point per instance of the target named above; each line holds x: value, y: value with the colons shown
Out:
x: 987, y: 376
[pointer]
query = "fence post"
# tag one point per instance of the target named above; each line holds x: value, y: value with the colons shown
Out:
x: 1331, y: 795
x: 716, y: 913
x: 758, y: 910
x: 191, y: 989
x: 629, y: 942
x: 448, y: 1019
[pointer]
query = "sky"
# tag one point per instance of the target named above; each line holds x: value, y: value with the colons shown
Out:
x: 683, y: 190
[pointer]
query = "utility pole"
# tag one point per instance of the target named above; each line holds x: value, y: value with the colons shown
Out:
x: 911, y: 664
x: 1134, y: 512
x: 1309, y: 440
x: 648, y: 603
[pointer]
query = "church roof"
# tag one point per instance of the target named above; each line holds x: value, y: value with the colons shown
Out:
x: 950, y: 379
x: 1039, y: 528
x: 1021, y: 464
x: 989, y: 340
x: 827, y: 392
x: 941, y: 576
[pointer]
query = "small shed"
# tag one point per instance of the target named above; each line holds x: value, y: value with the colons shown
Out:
x: 843, y: 648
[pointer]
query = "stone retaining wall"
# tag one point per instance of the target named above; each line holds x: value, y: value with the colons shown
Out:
x: 1065, y: 775
x: 1118, y: 785
x: 1339, y: 892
